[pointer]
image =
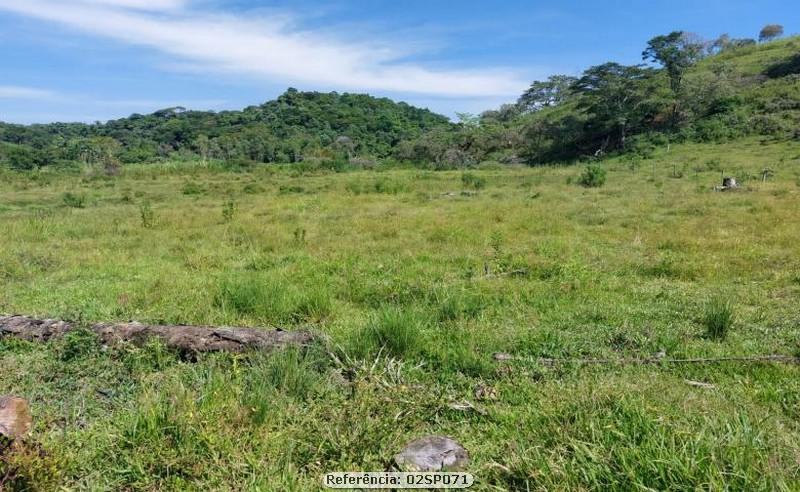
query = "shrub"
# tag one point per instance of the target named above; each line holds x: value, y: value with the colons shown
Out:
x: 714, y: 165
x: 473, y: 181
x: 74, y: 201
x: 594, y: 176
x: 299, y: 236
x: 229, y: 210
x: 77, y: 344
x: 22, y: 159
x: 252, y: 189
x: 718, y: 318
x: 354, y: 187
x: 388, y: 187
x: 336, y: 165
x: 291, y: 189
x: 238, y: 165
x: 192, y: 189
x: 147, y: 215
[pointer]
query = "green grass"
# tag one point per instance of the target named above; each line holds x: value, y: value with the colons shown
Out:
x: 413, y: 285
x: 718, y: 319
x: 394, y: 332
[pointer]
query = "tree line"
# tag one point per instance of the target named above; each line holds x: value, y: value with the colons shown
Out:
x: 686, y: 88
x: 296, y: 126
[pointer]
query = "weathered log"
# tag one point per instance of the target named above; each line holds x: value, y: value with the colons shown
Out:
x: 15, y: 418
x: 193, y: 339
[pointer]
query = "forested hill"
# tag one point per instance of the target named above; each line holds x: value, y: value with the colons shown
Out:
x: 686, y: 90
x: 297, y: 125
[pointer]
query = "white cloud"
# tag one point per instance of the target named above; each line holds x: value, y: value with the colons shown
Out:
x: 17, y: 92
x: 268, y: 48
x: 152, y: 5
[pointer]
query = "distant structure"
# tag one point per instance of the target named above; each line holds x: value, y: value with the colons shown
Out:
x: 728, y: 184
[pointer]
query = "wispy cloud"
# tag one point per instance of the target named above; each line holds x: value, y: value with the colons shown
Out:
x: 36, y: 105
x: 266, y: 47
x: 151, y: 5
x: 17, y: 92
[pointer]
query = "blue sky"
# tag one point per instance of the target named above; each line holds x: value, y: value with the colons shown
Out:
x: 87, y: 60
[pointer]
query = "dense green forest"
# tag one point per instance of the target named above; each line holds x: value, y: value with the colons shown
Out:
x: 689, y: 89
x: 296, y: 126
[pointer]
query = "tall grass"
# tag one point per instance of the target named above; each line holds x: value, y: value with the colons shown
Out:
x: 273, y: 300
x: 718, y: 318
x: 269, y: 377
x: 393, y: 332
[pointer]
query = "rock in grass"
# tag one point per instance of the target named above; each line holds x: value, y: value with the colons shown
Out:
x: 484, y: 392
x: 502, y: 356
x: 432, y: 453
x: 15, y: 417
x: 699, y: 384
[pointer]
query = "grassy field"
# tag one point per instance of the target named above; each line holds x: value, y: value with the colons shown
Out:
x: 416, y: 278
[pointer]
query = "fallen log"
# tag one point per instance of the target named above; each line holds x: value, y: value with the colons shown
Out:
x: 187, y: 339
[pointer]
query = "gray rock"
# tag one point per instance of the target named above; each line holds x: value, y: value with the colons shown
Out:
x: 15, y: 417
x: 432, y: 453
x: 502, y: 356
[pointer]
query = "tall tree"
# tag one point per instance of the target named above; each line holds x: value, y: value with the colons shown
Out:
x: 22, y: 158
x: 614, y: 96
x: 676, y: 52
x: 720, y: 44
x: 202, y: 144
x: 770, y: 32
x: 542, y: 94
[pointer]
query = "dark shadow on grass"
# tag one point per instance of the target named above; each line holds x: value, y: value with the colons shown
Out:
x: 786, y: 67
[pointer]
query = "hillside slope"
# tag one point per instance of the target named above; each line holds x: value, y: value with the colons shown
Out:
x: 751, y: 90
x: 296, y: 125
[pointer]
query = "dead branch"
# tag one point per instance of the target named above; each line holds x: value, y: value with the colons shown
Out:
x: 549, y: 362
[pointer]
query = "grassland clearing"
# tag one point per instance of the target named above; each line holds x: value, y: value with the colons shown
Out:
x: 416, y: 278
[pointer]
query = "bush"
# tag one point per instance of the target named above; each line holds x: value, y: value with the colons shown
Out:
x: 22, y: 159
x: 252, y: 189
x: 336, y: 165
x: 388, y: 187
x: 229, y: 210
x: 714, y: 165
x: 473, y: 181
x: 147, y: 215
x: 73, y: 201
x: 238, y: 165
x: 192, y: 189
x: 718, y: 319
x: 594, y: 176
x: 77, y: 344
